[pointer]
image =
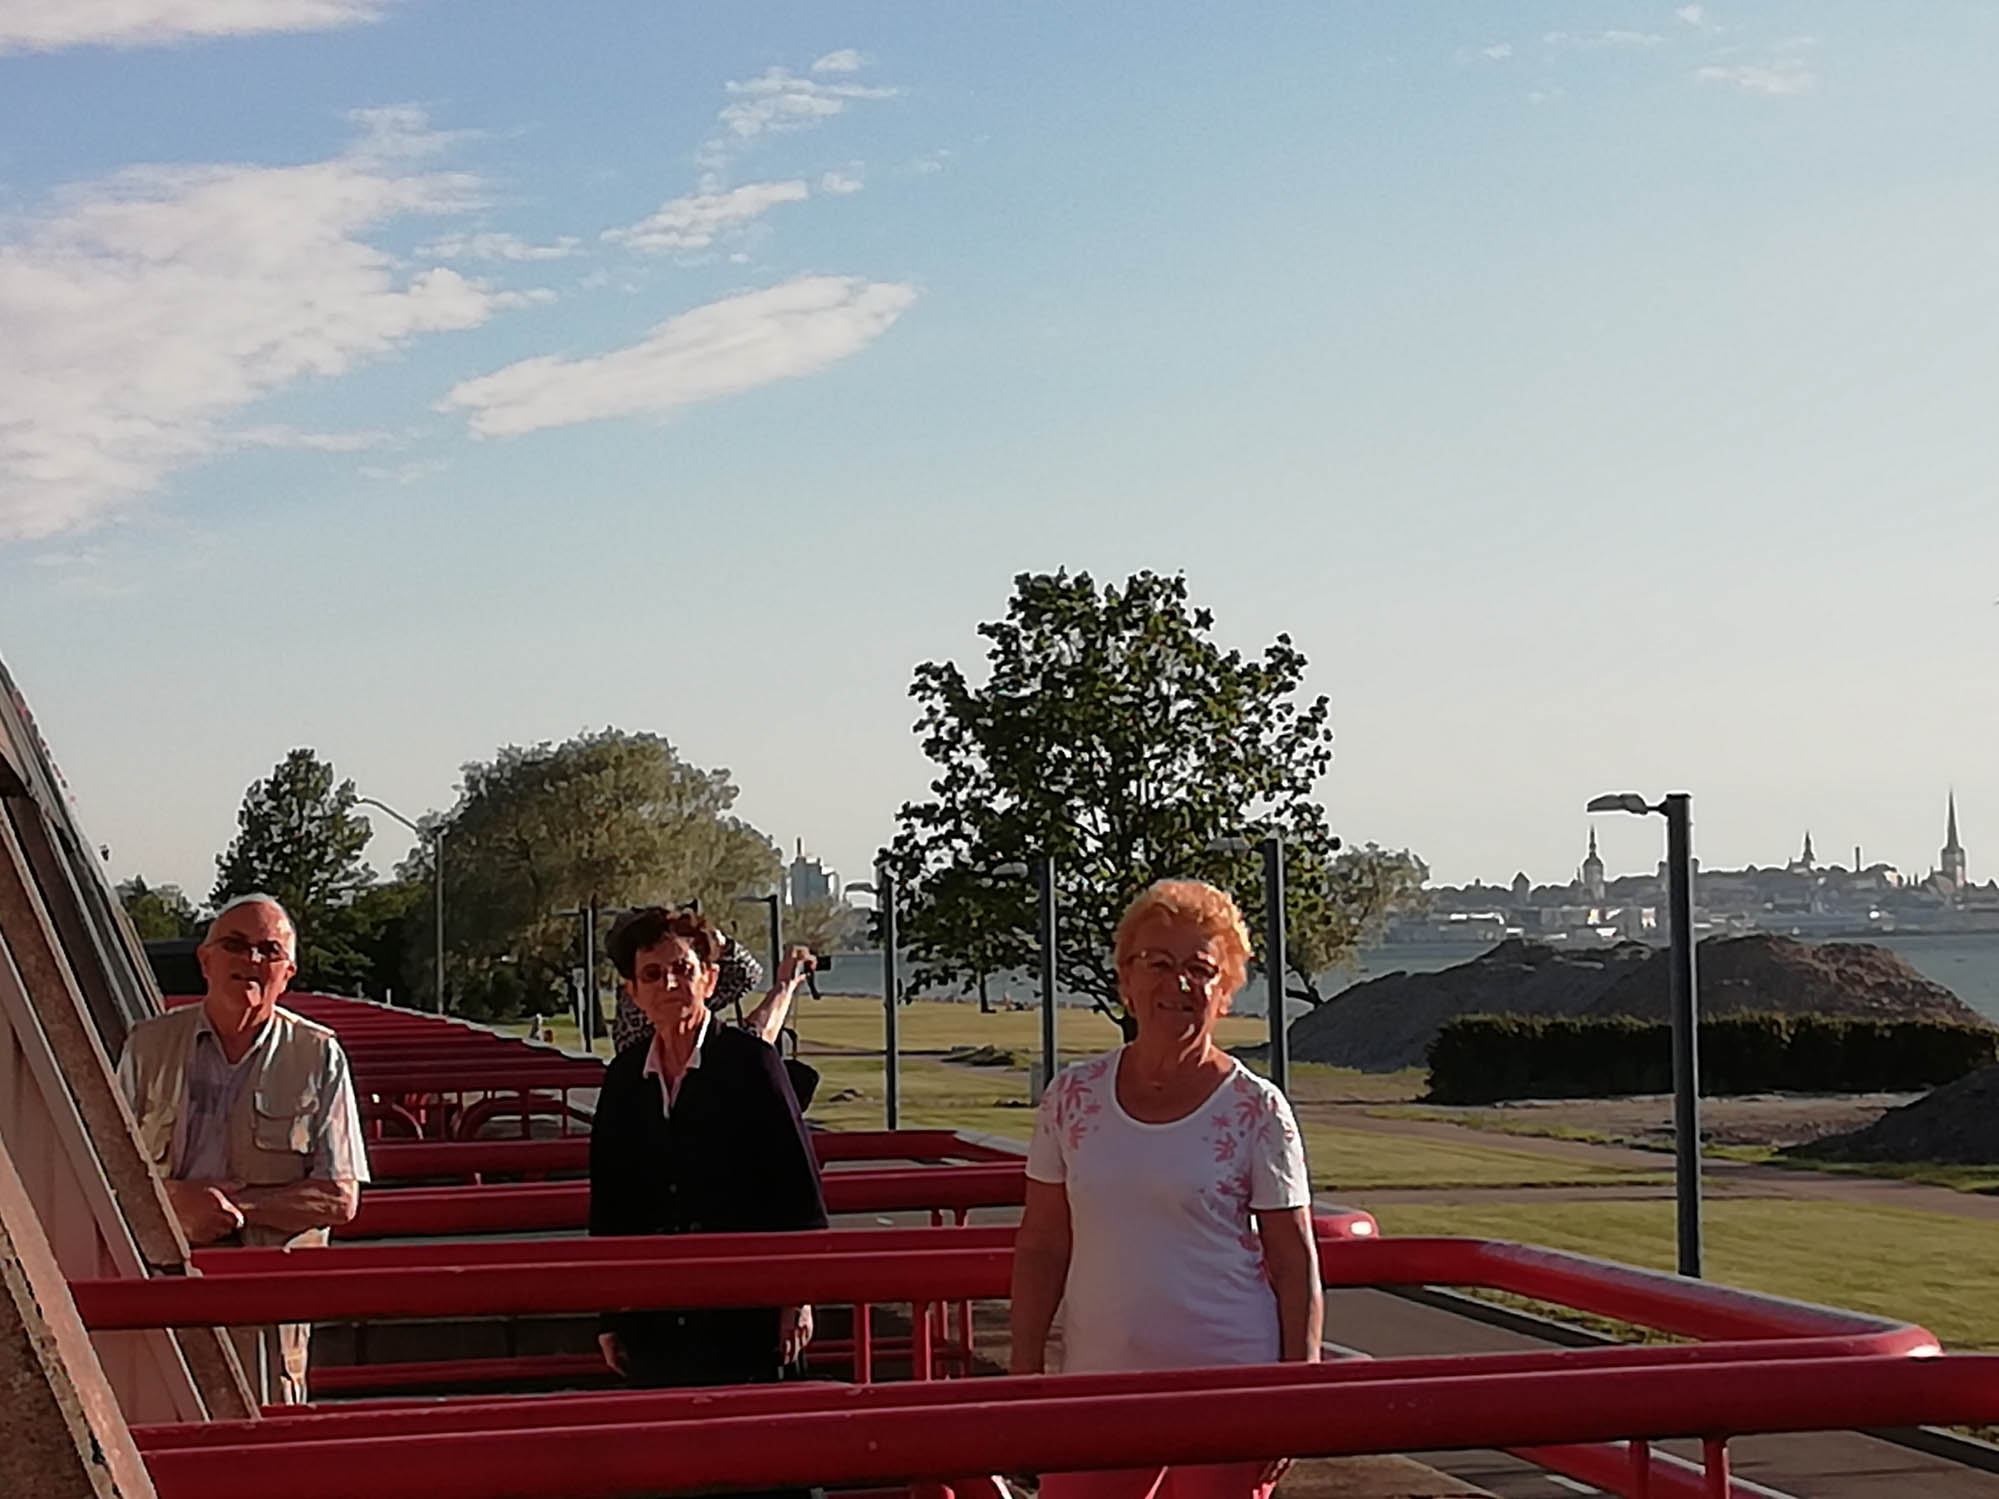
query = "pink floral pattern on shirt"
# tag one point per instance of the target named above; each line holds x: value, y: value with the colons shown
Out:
x: 1075, y: 1107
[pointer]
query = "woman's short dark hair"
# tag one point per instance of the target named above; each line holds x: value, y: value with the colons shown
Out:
x: 648, y: 926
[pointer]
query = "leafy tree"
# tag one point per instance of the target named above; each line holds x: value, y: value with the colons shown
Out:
x: 299, y: 839
x: 1363, y: 890
x: 825, y: 926
x: 381, y: 927
x: 607, y: 819
x: 159, y: 913
x: 1114, y: 733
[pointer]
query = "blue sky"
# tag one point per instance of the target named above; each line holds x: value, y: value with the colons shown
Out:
x: 1599, y: 394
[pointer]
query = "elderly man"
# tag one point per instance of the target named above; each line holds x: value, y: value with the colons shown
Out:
x: 247, y: 1111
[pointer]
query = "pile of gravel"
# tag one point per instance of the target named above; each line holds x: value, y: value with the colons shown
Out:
x: 1388, y: 1023
x: 1958, y: 1122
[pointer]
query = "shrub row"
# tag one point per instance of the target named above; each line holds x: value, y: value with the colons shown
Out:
x: 1486, y: 1058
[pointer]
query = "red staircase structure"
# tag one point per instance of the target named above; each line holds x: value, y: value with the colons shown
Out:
x: 438, y: 1237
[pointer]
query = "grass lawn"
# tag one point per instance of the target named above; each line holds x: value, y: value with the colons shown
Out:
x: 1940, y: 1271
x: 993, y: 1101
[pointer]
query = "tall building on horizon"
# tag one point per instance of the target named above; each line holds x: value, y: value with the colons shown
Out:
x: 1592, y: 871
x: 1950, y: 860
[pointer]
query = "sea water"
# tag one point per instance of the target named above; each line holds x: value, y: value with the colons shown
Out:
x: 1966, y: 963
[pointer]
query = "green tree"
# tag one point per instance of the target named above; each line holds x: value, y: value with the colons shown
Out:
x: 825, y: 926
x: 299, y: 839
x: 1115, y: 734
x: 159, y: 913
x: 1363, y: 890
x: 387, y: 928
x: 607, y: 819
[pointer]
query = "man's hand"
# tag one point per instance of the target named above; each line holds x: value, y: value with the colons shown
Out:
x: 794, y: 1331
x: 613, y: 1351
x: 204, y: 1210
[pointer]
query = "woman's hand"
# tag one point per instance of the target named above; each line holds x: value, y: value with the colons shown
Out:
x: 798, y: 961
x: 794, y: 1331
x: 613, y: 1351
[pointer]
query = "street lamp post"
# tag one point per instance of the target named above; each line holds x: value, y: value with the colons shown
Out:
x: 1677, y: 809
x: 883, y: 890
x: 436, y: 836
x: 1043, y: 870
x: 1271, y: 846
x: 774, y: 902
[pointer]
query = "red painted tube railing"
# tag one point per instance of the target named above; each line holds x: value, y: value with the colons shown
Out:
x: 327, y: 1293
x: 402, y: 1160
x: 938, y: 1271
x: 584, y: 1253
x: 1650, y: 1298
x: 542, y: 1207
x: 624, y: 1407
x: 988, y: 1426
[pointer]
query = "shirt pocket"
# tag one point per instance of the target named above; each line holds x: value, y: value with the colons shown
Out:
x: 283, y: 1122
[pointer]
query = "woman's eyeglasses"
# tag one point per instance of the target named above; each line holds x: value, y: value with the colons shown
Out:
x: 1197, y: 973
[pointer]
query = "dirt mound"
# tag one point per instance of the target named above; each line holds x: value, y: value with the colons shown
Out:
x: 1389, y: 1022
x: 1958, y: 1122
x: 1784, y: 976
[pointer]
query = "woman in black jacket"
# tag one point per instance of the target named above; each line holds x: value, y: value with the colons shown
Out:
x: 696, y: 1131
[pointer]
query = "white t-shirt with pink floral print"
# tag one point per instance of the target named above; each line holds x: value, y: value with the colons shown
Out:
x: 1165, y: 1267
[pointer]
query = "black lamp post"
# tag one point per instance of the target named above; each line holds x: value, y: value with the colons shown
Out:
x: 1677, y: 809
x: 883, y: 890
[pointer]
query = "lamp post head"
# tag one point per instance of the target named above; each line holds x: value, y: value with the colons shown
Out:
x: 1012, y: 871
x: 1229, y: 845
x: 1625, y: 801
x: 859, y: 887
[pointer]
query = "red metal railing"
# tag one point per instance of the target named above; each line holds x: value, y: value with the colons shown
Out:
x: 688, y: 1442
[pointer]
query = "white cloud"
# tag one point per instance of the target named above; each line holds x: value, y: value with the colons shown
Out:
x: 1786, y: 77
x: 696, y: 221
x: 1693, y: 15
x: 782, y: 101
x: 1497, y: 52
x: 50, y: 25
x: 403, y: 474
x: 841, y: 183
x: 141, y: 311
x: 724, y: 348
x: 1589, y: 40
x: 311, y: 442
x: 493, y: 245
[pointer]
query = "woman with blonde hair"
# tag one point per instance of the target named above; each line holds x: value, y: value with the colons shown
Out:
x: 1168, y: 1207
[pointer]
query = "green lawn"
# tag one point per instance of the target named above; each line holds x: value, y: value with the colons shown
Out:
x: 1940, y: 1271
x: 993, y: 1100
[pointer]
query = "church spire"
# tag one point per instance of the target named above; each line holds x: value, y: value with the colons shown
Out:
x: 1951, y: 863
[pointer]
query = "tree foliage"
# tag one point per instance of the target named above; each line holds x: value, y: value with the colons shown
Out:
x: 608, y: 819
x: 299, y: 839
x: 1364, y: 889
x: 159, y: 913
x: 1114, y: 733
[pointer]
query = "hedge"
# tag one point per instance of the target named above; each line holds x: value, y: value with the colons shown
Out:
x: 1486, y: 1058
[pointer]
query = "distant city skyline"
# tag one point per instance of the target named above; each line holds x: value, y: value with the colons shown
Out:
x: 1597, y: 394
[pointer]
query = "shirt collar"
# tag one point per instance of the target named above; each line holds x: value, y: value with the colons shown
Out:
x: 203, y: 1026
x: 656, y: 1054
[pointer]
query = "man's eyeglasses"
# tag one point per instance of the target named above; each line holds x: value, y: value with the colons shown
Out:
x: 262, y: 952
x: 1196, y: 973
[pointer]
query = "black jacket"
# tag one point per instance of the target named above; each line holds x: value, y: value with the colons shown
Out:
x: 732, y: 1158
